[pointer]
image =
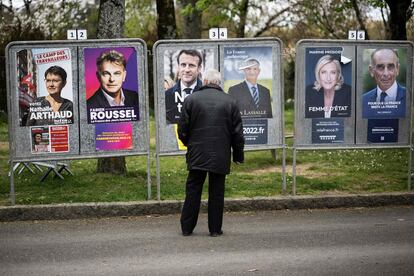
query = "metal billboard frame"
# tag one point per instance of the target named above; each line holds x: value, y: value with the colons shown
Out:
x: 199, y: 44
x: 142, y: 125
x: 299, y: 65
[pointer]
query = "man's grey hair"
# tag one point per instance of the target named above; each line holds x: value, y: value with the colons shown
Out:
x: 212, y: 76
x: 385, y: 49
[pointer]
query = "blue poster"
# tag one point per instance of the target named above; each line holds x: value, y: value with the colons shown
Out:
x: 328, y: 83
x: 384, y: 93
x: 371, y: 109
x: 248, y: 77
x: 382, y: 131
x: 327, y: 131
x: 255, y: 131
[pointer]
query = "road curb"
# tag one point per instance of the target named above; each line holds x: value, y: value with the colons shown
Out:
x: 99, y: 210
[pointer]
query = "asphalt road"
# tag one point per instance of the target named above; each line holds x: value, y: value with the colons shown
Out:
x: 359, y: 241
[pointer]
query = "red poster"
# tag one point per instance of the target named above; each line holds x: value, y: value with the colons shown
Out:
x: 59, y: 138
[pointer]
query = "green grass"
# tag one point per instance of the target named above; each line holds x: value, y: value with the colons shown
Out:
x: 318, y: 173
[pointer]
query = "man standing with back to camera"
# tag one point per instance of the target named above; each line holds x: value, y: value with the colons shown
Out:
x: 210, y: 126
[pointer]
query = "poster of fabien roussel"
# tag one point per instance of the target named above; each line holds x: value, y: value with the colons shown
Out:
x: 46, y: 97
x: 384, y: 93
x: 111, y: 78
x: 248, y: 75
x: 328, y: 93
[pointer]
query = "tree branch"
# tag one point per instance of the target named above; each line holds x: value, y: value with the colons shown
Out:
x: 269, y: 22
x: 359, y: 18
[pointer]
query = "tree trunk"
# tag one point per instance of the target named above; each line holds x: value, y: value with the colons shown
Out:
x: 114, y: 165
x: 167, y: 27
x: 244, y: 6
x: 111, y: 21
x: 192, y: 21
x: 398, y: 19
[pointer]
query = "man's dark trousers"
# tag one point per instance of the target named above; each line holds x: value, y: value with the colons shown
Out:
x: 191, y: 208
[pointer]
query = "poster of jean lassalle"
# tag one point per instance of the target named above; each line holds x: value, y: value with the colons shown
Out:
x: 248, y: 74
x: 45, y: 86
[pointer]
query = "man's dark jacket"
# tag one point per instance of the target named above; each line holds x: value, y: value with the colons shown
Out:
x: 210, y: 125
x: 171, y: 108
x: 98, y: 99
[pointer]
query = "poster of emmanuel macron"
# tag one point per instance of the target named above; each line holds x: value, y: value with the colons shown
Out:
x: 111, y: 84
x: 248, y: 78
x: 183, y: 71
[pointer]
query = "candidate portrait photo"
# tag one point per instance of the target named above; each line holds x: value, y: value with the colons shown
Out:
x: 45, y: 86
x: 328, y: 92
x: 248, y: 79
x: 183, y: 71
x: 111, y: 88
x: 384, y: 93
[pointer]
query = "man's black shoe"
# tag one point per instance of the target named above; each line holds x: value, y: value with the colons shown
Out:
x: 185, y: 234
x: 216, y: 234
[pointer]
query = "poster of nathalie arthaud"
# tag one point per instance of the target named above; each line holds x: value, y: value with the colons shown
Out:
x: 45, y: 87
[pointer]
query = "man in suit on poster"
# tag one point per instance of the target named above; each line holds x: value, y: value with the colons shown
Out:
x: 189, y: 68
x: 387, y: 100
x: 252, y: 98
x: 111, y: 74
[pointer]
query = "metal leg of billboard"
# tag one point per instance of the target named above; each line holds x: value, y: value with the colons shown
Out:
x: 12, y: 193
x: 157, y: 160
x: 284, y: 169
x: 149, y: 175
x: 410, y: 161
x: 294, y: 172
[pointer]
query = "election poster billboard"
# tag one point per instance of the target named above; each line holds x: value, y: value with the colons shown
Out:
x: 113, y: 99
x: 43, y: 100
x: 385, y: 93
x: 45, y: 86
x: 324, y: 95
x: 353, y: 93
x: 250, y: 69
x: 328, y: 93
x: 77, y: 99
x: 179, y: 70
x: 248, y: 77
x: 111, y: 92
x: 183, y: 70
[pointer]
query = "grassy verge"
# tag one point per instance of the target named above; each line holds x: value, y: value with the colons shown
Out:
x: 318, y: 172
